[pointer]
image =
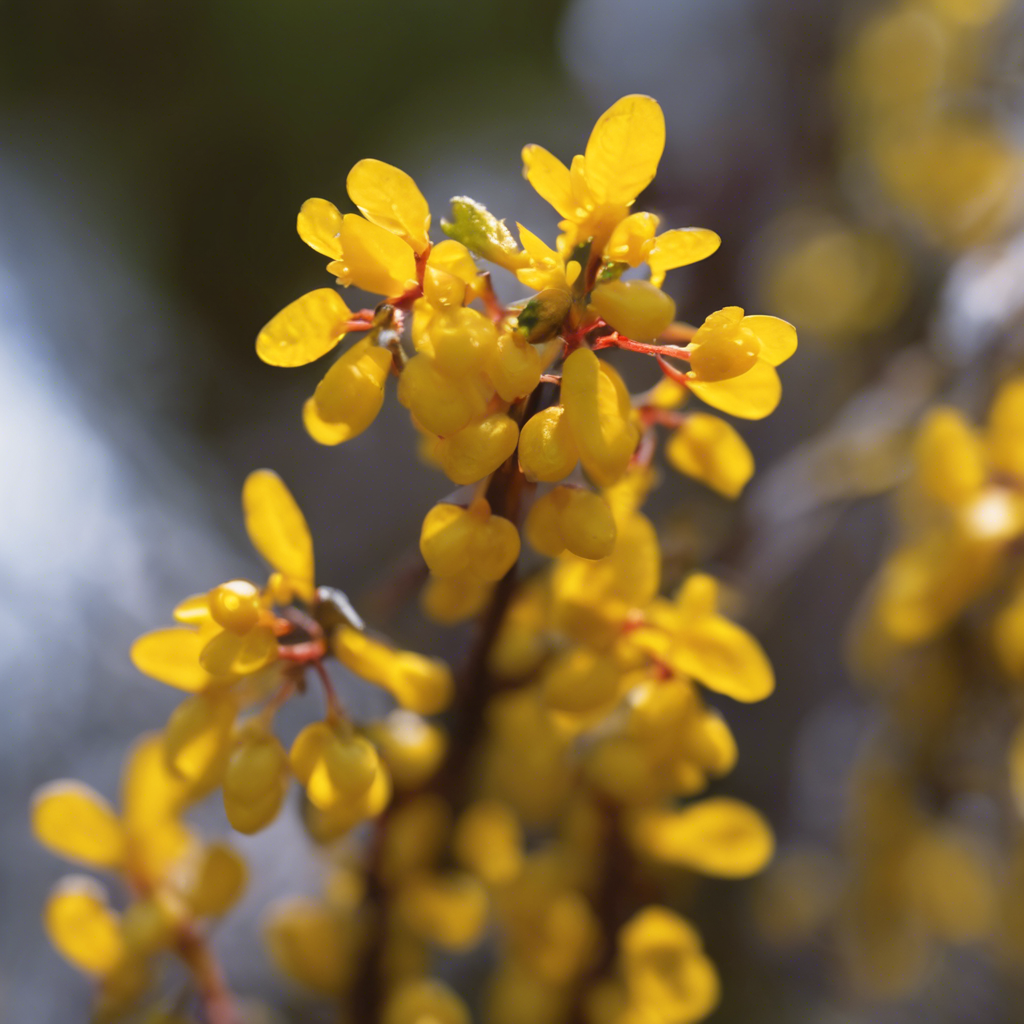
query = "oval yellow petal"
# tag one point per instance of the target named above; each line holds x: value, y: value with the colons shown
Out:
x: 624, y: 149
x: 679, y: 248
x: 751, y: 396
x: 710, y: 450
x: 720, y: 836
x: 550, y: 179
x: 597, y: 408
x: 73, y: 820
x: 724, y: 657
x: 319, y: 226
x: 219, y: 881
x: 278, y: 530
x: 83, y: 929
x: 377, y: 260
x: 304, y: 330
x: 777, y: 337
x: 389, y: 198
x: 172, y: 656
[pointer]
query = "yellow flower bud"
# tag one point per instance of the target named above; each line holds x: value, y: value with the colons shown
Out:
x: 597, y: 407
x: 667, y: 975
x: 489, y: 841
x: 634, y: 308
x: 442, y: 404
x: 441, y: 290
x: 197, y: 739
x: 462, y: 339
x: 723, y: 346
x: 580, y: 681
x: 352, y: 392
x: 456, y: 540
x: 571, y: 518
x: 235, y: 606
x: 334, y: 767
x: 513, y: 366
x: 479, y: 448
x: 255, y: 782
x: 547, y: 450
x: 325, y: 824
x: 311, y: 945
x: 453, y: 599
x: 412, y: 747
x: 449, y: 910
x: 420, y: 1000
x: 147, y: 926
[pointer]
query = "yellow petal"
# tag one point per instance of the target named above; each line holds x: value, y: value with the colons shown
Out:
x: 319, y: 225
x: 751, y: 396
x: 388, y: 197
x: 193, y: 611
x: 632, y: 239
x: 172, y: 656
x: 720, y: 836
x: 550, y: 178
x: 724, y: 657
x: 278, y: 530
x: 311, y: 944
x: 377, y: 261
x: 198, y: 734
x: 73, y: 820
x: 219, y: 882
x: 679, y: 248
x: 319, y: 429
x: 228, y: 653
x: 304, y: 330
x: 777, y: 337
x: 82, y: 927
x: 710, y: 450
x: 624, y: 149
x: 949, y: 457
x: 149, y: 791
x: 1005, y: 435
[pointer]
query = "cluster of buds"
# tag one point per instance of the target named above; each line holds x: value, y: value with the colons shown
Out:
x: 546, y: 813
x: 941, y: 642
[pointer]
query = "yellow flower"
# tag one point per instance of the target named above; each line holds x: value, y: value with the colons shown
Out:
x: 733, y: 359
x: 595, y: 193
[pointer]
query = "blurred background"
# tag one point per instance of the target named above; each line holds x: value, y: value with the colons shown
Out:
x: 862, y: 163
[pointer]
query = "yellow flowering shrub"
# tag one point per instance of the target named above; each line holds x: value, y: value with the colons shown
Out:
x: 940, y: 643
x: 572, y: 750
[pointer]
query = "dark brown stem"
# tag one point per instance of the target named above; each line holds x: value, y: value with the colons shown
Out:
x: 473, y: 688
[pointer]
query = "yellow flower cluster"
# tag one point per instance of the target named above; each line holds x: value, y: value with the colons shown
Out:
x: 942, y: 642
x: 472, y: 379
x: 564, y: 792
x: 176, y: 884
x: 908, y: 81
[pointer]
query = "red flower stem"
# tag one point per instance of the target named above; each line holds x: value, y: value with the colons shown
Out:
x: 672, y: 373
x: 664, y: 417
x: 196, y: 954
x: 335, y: 710
x: 620, y: 341
x: 489, y: 297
